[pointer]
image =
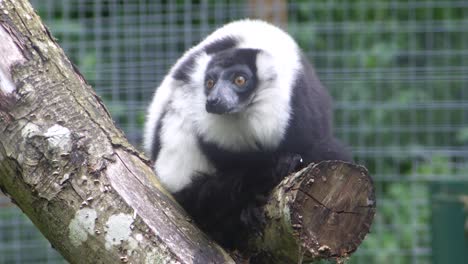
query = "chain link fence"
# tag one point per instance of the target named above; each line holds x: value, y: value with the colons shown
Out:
x: 398, y: 71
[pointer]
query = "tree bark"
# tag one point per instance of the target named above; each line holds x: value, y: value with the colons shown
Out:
x: 95, y: 197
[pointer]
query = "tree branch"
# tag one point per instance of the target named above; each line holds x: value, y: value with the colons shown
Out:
x: 70, y: 170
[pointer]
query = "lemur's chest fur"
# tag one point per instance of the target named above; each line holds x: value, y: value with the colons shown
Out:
x: 185, y: 154
x: 180, y: 156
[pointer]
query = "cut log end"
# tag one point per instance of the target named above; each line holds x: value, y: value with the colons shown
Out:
x: 333, y: 208
x: 321, y: 212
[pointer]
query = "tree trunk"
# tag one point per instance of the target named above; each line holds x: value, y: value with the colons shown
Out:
x: 95, y: 197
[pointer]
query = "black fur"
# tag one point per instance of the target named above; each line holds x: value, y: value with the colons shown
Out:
x: 157, y: 137
x: 182, y: 73
x: 235, y: 57
x: 221, y: 45
x: 227, y: 204
x: 310, y: 129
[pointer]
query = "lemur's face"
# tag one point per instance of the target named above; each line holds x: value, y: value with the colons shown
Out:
x: 230, y: 81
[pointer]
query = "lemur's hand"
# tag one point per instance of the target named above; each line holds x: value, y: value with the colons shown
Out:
x: 288, y: 164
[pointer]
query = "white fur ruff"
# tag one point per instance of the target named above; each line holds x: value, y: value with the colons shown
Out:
x: 264, y: 122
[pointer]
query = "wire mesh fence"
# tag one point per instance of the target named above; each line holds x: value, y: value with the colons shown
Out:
x: 398, y: 71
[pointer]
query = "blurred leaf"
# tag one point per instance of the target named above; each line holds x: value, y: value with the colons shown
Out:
x: 437, y: 165
x: 381, y: 54
x: 69, y: 27
x: 87, y: 65
x: 462, y: 135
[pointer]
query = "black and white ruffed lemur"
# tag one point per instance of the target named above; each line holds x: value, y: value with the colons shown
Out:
x: 235, y: 115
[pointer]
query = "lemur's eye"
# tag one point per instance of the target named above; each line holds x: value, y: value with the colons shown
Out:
x: 209, y: 83
x: 239, y: 80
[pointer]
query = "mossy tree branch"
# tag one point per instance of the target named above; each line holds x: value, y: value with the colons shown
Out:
x: 67, y: 166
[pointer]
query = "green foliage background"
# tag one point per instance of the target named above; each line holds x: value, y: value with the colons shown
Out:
x: 396, y: 69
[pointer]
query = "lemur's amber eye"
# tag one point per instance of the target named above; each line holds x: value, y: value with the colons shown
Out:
x: 239, y: 80
x: 209, y: 84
